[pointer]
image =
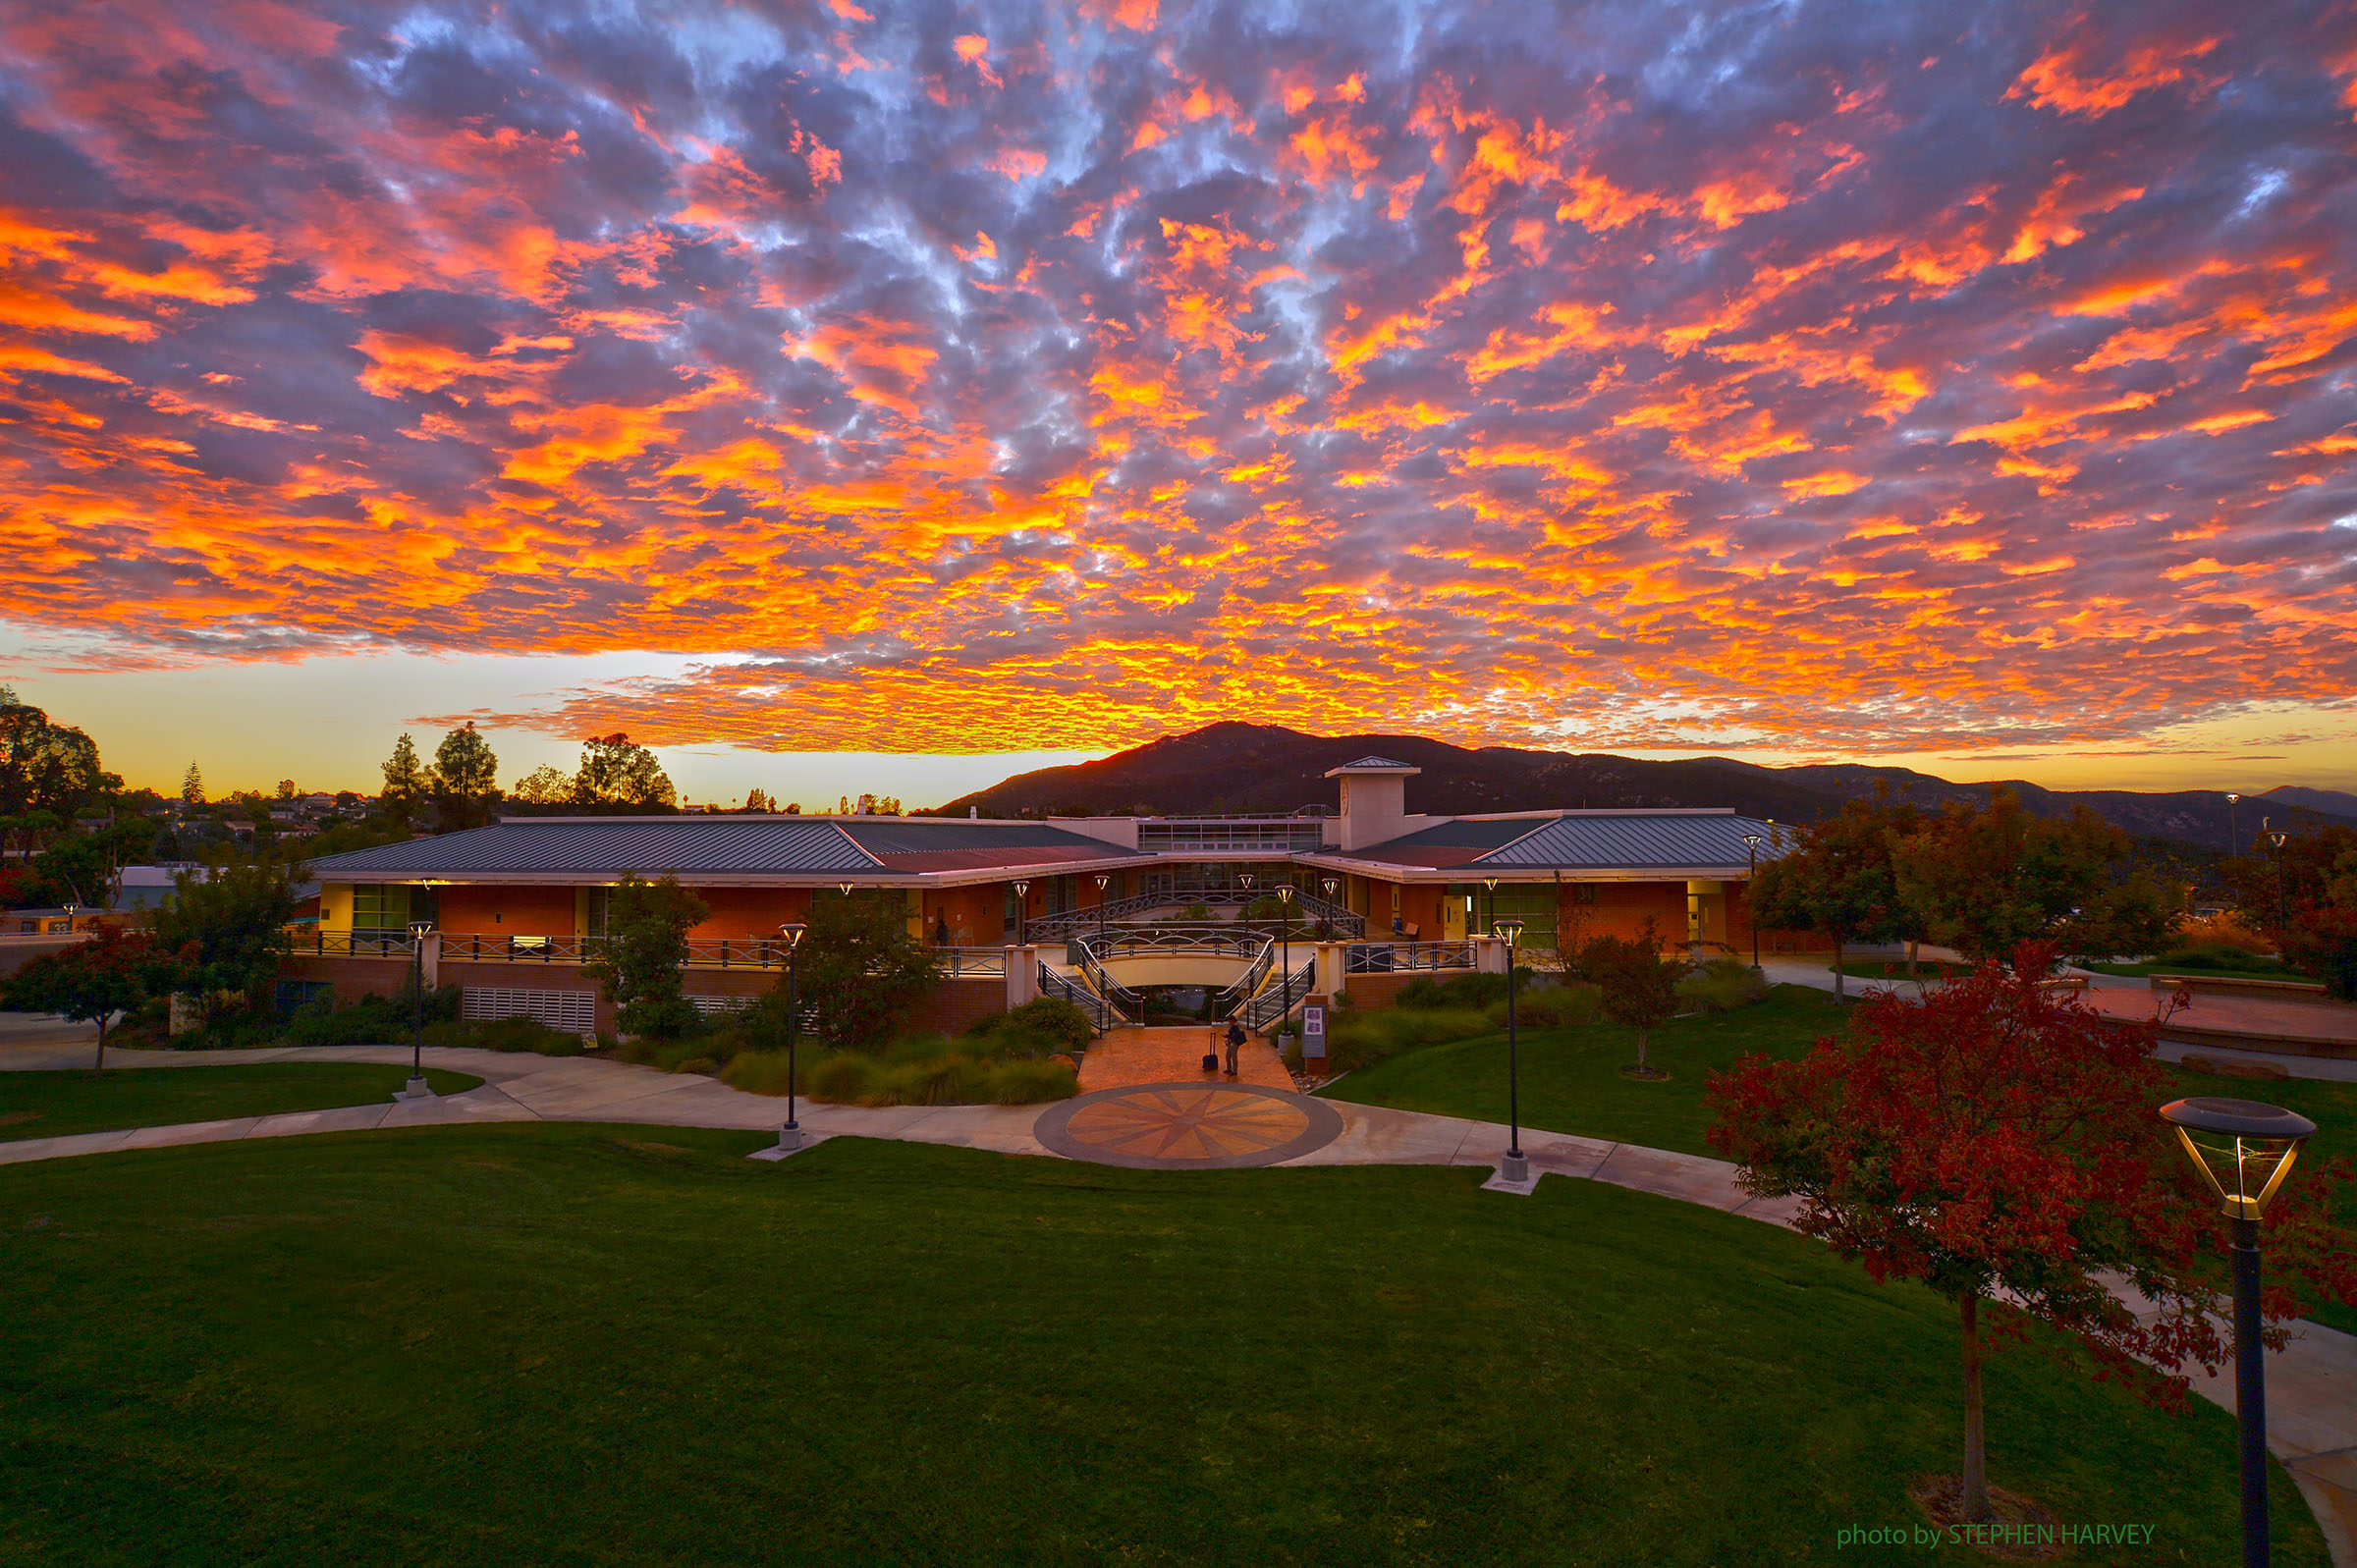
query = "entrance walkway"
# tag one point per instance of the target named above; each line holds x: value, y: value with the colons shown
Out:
x: 1127, y: 1056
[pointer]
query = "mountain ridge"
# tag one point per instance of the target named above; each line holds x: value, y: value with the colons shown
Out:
x: 1237, y: 767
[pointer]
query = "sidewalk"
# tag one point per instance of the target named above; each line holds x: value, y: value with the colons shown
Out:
x: 2311, y: 1385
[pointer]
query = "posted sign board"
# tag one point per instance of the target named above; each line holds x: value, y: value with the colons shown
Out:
x: 1313, y: 1030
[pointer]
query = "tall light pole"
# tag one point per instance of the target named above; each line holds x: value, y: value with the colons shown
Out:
x: 2232, y: 837
x: 1104, y: 880
x: 1285, y: 961
x: 1514, y: 1168
x: 2282, y: 905
x: 1751, y: 849
x: 419, y: 929
x: 790, y: 1136
x: 1021, y: 890
x: 2243, y: 1150
x: 1491, y: 883
x: 1330, y: 884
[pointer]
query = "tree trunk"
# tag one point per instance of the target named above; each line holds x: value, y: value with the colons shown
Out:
x: 1837, y: 991
x: 1640, y: 1049
x: 1976, y: 1457
x: 101, y: 1064
x: 1913, y: 946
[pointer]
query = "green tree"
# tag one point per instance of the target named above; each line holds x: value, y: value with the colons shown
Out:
x: 192, y: 787
x: 88, y: 983
x: 1640, y: 984
x: 638, y: 962
x: 1835, y: 878
x: 406, y: 783
x: 544, y: 786
x: 465, y: 780
x: 224, y: 933
x: 615, y: 773
x: 1987, y: 881
x: 85, y: 868
x: 44, y: 766
x: 287, y: 790
x: 862, y: 972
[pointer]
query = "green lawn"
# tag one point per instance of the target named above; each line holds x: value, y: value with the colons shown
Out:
x: 46, y: 1104
x: 562, y: 1344
x: 1572, y: 1077
x: 1571, y: 1083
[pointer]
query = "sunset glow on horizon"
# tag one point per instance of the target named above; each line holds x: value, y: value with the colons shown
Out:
x: 1841, y: 380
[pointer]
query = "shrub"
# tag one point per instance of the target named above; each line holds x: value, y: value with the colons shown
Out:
x: 1040, y: 1027
x: 844, y: 1077
x: 1028, y: 1083
x: 761, y: 1072
x: 1362, y: 1039
x: 2214, y: 955
x: 1550, y: 1007
x: 1722, y: 986
x: 525, y: 1034
x: 2224, y: 930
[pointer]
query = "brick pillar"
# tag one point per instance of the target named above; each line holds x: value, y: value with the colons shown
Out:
x: 1328, y: 978
x: 1490, y: 954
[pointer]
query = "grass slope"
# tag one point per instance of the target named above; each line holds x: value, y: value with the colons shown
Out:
x: 49, y: 1105
x: 1570, y: 1078
x: 556, y: 1344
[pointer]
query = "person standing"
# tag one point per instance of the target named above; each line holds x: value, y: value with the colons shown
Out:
x: 1235, y: 1043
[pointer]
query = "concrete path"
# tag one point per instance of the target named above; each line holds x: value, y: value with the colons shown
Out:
x: 2311, y: 1385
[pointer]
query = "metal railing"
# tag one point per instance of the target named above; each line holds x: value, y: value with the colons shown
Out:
x: 1383, y: 958
x: 1100, y: 1011
x: 713, y: 952
x: 318, y: 944
x: 1224, y: 1004
x: 1128, y: 1004
x: 1163, y: 942
x: 1271, y: 1003
x: 1308, y: 909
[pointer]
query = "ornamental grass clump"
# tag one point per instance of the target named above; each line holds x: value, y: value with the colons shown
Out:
x: 1722, y: 986
x: 1357, y: 1038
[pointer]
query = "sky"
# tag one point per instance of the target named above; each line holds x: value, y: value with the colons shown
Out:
x: 845, y: 397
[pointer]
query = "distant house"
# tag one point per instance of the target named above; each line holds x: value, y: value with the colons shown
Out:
x: 151, y: 886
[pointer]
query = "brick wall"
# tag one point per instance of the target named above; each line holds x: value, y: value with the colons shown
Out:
x: 956, y: 1005
x: 477, y: 909
x: 352, y: 978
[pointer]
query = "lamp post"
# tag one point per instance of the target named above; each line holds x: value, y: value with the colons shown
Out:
x: 1752, y: 851
x: 1514, y: 1168
x: 1330, y: 884
x: 1285, y: 961
x: 2283, y: 905
x: 790, y: 1136
x: 2232, y: 837
x: 419, y: 929
x: 1021, y: 889
x: 2243, y: 1150
x: 1104, y: 880
x: 1491, y: 883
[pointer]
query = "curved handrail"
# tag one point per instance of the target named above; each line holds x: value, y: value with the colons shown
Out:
x: 1122, y: 998
x: 1273, y: 1002
x: 1224, y: 1002
x: 1098, y: 1008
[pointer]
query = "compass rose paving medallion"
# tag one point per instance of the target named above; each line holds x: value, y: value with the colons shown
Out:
x: 1188, y: 1126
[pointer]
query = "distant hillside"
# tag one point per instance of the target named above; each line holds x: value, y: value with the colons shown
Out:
x: 2334, y: 803
x: 1241, y: 767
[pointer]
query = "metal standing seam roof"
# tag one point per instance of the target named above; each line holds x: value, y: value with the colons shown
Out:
x: 556, y: 845
x: 1623, y: 840
x: 902, y: 836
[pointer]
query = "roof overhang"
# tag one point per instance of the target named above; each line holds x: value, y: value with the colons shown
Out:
x: 866, y: 876
x: 1390, y: 871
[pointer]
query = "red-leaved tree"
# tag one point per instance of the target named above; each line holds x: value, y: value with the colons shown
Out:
x: 2000, y: 1143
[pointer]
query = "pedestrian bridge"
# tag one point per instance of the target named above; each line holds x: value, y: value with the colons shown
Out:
x: 1252, y: 976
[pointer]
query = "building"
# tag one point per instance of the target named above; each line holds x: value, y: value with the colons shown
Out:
x: 513, y: 905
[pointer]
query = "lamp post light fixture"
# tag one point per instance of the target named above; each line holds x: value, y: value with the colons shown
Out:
x: 1021, y: 890
x: 2244, y: 1149
x: 1491, y: 883
x: 1514, y: 1168
x: 2232, y: 837
x: 790, y: 1136
x: 1329, y: 924
x: 1285, y: 961
x: 419, y: 929
x: 2283, y: 905
x: 1752, y: 851
x: 1104, y: 880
